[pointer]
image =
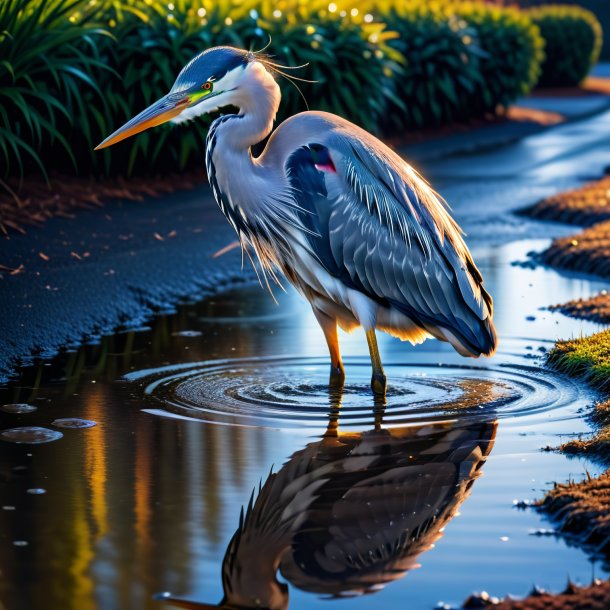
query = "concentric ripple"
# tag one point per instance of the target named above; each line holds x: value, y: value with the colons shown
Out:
x: 294, y: 392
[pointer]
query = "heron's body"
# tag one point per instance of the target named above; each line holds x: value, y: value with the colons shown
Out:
x: 344, y: 218
x: 351, y: 513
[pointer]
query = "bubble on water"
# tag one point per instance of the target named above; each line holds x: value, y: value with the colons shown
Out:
x: 32, y: 435
x: 18, y: 407
x: 36, y: 491
x: 74, y: 423
x: 20, y: 542
x: 187, y: 333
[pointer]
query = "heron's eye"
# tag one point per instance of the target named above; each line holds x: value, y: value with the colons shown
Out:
x: 207, y: 86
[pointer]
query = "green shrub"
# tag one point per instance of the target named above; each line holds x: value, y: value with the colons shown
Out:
x: 48, y: 53
x: 73, y: 71
x: 513, y: 53
x: 442, y: 65
x: 351, y: 67
x: 573, y: 38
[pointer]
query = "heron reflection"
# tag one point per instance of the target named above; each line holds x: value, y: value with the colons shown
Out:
x: 351, y: 512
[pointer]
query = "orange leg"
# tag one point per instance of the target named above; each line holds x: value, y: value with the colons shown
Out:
x: 378, y: 381
x: 329, y: 327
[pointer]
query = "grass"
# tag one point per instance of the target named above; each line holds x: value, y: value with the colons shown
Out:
x: 587, y: 357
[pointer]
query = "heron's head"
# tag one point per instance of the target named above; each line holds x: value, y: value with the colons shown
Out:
x: 212, y: 79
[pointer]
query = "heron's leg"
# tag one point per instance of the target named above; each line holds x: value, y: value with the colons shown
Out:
x: 378, y: 381
x: 329, y: 327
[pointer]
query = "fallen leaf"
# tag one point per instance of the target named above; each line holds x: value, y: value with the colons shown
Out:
x: 227, y: 248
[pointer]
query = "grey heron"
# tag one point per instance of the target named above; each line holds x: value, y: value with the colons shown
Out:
x: 350, y: 513
x: 357, y: 231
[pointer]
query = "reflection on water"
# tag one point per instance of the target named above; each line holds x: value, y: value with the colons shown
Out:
x: 139, y: 504
x: 351, y: 512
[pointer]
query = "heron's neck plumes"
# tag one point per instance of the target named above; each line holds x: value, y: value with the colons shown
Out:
x: 252, y: 193
x: 258, y: 100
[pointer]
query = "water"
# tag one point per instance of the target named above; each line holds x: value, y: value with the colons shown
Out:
x: 170, y: 429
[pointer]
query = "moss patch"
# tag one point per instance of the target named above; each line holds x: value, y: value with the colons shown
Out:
x: 586, y: 205
x: 587, y: 357
x: 596, y: 309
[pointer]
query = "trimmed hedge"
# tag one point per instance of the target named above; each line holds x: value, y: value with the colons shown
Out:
x: 573, y: 38
x: 442, y: 66
x: 72, y: 71
x: 513, y: 51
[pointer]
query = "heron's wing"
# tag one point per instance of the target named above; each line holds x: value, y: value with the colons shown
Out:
x: 377, y: 226
x: 383, y: 504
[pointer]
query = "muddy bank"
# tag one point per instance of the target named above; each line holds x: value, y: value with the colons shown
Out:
x: 587, y: 251
x: 594, y: 597
x: 584, y: 206
x: 595, y: 309
x: 597, y: 446
x: 582, y: 510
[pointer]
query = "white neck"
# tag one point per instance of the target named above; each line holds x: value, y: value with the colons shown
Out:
x: 258, y: 100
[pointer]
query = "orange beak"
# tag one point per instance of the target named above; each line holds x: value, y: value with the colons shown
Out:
x: 160, y: 112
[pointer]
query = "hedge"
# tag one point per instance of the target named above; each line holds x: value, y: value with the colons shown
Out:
x: 573, y: 38
x: 72, y: 71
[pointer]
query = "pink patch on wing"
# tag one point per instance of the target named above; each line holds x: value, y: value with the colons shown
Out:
x: 326, y: 167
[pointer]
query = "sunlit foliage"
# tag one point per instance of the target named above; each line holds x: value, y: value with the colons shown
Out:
x: 72, y: 71
x: 573, y: 39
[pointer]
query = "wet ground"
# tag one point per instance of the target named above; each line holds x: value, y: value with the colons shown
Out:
x: 196, y: 411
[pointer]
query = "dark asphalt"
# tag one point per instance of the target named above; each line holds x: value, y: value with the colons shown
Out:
x: 119, y: 265
x: 131, y: 266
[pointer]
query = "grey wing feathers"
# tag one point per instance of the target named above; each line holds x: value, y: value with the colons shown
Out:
x: 382, y: 230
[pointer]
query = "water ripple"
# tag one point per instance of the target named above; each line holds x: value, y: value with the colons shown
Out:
x: 294, y: 392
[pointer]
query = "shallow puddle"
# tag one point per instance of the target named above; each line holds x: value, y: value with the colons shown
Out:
x: 167, y: 431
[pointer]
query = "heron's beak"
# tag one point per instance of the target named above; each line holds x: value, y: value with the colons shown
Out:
x: 160, y: 112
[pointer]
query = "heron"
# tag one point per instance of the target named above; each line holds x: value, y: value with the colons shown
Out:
x: 350, y: 513
x: 346, y: 220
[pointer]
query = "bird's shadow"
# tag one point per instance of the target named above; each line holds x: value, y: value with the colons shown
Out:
x: 352, y: 511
